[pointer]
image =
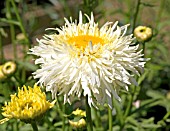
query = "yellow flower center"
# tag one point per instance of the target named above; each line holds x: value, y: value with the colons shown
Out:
x: 83, y: 40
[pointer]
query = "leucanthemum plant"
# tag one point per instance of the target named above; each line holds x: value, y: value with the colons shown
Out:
x: 84, y: 59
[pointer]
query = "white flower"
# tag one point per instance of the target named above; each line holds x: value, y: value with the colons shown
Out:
x: 83, y: 59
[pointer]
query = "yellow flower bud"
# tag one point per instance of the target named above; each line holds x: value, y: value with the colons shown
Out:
x: 28, y: 104
x: 143, y: 33
x: 2, y: 76
x: 20, y: 36
x: 79, y: 124
x: 79, y: 112
x: 9, y: 68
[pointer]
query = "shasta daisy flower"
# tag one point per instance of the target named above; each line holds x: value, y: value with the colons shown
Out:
x: 29, y: 104
x: 83, y: 59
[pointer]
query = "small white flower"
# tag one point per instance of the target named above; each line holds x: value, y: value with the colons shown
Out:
x: 83, y: 59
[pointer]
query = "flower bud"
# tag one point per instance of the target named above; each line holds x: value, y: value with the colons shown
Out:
x: 20, y: 36
x: 143, y: 33
x: 9, y: 68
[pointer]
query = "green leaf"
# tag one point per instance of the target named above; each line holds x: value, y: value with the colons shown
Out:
x: 60, y: 123
x: 150, y: 125
x: 132, y: 121
x: 2, y: 99
x: 146, y: 104
x: 142, y: 77
x: 27, y: 65
x: 150, y: 120
x: 3, y: 33
x: 155, y: 94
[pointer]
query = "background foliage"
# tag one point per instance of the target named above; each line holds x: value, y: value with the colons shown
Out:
x: 22, y: 21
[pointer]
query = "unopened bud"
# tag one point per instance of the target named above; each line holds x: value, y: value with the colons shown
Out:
x: 9, y: 68
x: 143, y: 33
x: 20, y: 36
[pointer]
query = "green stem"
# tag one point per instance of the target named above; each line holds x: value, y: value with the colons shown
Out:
x: 9, y: 21
x: 15, y: 126
x: 129, y: 106
x: 61, y: 111
x: 143, y: 51
x: 88, y: 116
x: 159, y: 13
x: 19, y: 81
x: 23, y: 77
x: 119, y: 114
x: 1, y: 50
x: 63, y: 118
x: 97, y: 118
x: 166, y: 115
x: 110, y: 118
x: 59, y: 108
x: 23, y: 74
x: 66, y: 7
x: 132, y: 95
x: 164, y: 118
x: 12, y: 29
x: 20, y: 21
x: 34, y: 126
x: 89, y: 6
x: 135, y: 14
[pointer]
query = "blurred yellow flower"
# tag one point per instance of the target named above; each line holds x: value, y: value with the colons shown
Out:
x: 78, y: 124
x: 143, y: 33
x: 79, y: 112
x: 9, y: 68
x: 29, y: 104
x: 20, y: 36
